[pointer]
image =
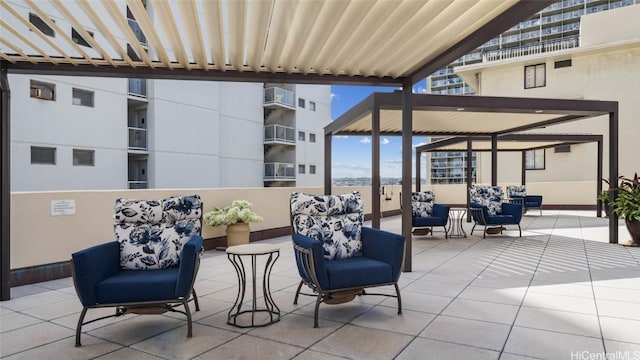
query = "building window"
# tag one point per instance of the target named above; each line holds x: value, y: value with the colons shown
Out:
x: 312, y: 137
x: 43, y: 90
x: 83, y: 157
x: 535, y: 76
x: 301, y: 102
x: 43, y: 155
x: 534, y: 159
x: 78, y: 39
x: 562, y: 149
x: 82, y: 97
x: 562, y: 63
x: 300, y: 169
x: 312, y: 106
x: 300, y: 135
x: 41, y: 25
x: 312, y: 169
x: 132, y: 53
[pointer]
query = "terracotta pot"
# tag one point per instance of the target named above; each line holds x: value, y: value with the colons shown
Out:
x: 238, y: 234
x: 634, y: 229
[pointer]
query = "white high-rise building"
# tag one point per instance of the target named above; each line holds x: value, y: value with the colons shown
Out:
x: 110, y: 133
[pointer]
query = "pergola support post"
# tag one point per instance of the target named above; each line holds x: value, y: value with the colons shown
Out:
x: 494, y: 160
x: 613, y: 173
x: 407, y: 134
x: 5, y: 189
x: 327, y: 163
x: 469, y: 175
x: 418, y: 165
x: 599, y: 180
x: 375, y: 167
x: 523, y: 176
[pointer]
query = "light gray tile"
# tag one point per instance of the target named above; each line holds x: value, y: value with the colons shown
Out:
x: 507, y: 356
x: 250, y: 347
x: 433, y: 304
x: 549, y: 345
x: 560, y: 321
x: 65, y: 349
x: 14, y: 320
x: 579, y: 289
x: 433, y: 349
x: 619, y: 309
x: 40, y: 299
x: 363, y: 343
x: 433, y: 287
x: 627, y: 349
x: 475, y: 333
x: 617, y: 294
x: 501, y: 296
x: 137, y: 328
x: 560, y: 302
x: 340, y: 312
x: 56, y: 310
x: 296, y: 330
x: 386, y: 318
x: 128, y: 353
x: 480, y: 310
x: 31, y: 336
x: 625, y: 330
x: 315, y: 355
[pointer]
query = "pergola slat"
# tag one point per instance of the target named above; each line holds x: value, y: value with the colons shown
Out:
x: 165, y: 16
x: 115, y: 14
x: 215, y: 32
x: 140, y: 13
x: 24, y: 39
x: 260, y: 14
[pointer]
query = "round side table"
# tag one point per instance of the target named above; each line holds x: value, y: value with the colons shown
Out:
x: 456, y: 216
x: 235, y: 254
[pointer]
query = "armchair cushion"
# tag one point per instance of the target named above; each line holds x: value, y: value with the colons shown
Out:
x: 132, y: 286
x: 334, y: 220
x: 489, y: 196
x: 151, y: 241
x: 516, y: 191
x: 356, y: 272
x: 422, y: 203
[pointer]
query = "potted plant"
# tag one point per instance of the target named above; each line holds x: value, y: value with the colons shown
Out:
x: 627, y: 204
x: 236, y: 217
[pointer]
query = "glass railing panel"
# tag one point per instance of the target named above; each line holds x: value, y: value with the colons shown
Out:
x: 138, y: 87
x: 137, y: 138
x: 137, y: 31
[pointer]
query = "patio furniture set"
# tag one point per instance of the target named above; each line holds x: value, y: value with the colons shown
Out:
x: 151, y: 266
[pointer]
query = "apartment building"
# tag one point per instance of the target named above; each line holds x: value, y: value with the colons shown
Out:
x: 605, y: 66
x: 554, y: 28
x: 112, y: 133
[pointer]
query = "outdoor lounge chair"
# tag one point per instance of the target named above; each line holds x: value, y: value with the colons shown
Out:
x: 518, y: 193
x: 150, y: 267
x: 488, y: 210
x: 425, y: 213
x: 337, y: 257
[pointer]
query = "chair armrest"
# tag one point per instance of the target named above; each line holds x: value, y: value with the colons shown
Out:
x: 189, y: 261
x: 92, y: 265
x: 441, y: 211
x: 311, y: 268
x: 513, y: 209
x: 383, y: 246
x: 534, y: 198
x: 479, y: 213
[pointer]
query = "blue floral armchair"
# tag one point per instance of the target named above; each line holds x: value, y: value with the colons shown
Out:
x: 425, y: 213
x: 337, y: 258
x: 150, y: 267
x: 488, y: 209
x: 518, y: 193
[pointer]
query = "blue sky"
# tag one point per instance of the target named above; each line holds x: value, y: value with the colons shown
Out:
x: 352, y: 154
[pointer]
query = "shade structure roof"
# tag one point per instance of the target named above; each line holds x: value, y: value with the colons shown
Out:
x: 372, y: 42
x: 456, y: 115
x: 508, y: 142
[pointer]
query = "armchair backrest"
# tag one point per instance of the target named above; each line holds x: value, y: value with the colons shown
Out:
x: 516, y: 191
x: 422, y: 203
x: 152, y: 233
x: 489, y: 196
x: 335, y: 220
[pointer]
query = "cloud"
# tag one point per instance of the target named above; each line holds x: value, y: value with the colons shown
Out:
x: 365, y: 140
x: 341, y: 137
x: 419, y: 144
x: 419, y: 90
x: 335, y: 96
x: 384, y: 141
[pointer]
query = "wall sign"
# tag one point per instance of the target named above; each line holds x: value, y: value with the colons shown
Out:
x: 63, y: 207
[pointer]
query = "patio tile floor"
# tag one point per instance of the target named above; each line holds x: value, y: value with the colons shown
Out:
x: 558, y: 291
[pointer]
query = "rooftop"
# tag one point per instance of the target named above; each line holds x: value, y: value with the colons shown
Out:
x: 559, y: 290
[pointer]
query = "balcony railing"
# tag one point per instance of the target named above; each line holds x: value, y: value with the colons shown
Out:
x: 538, y: 48
x: 279, y: 171
x: 137, y: 31
x: 279, y: 97
x: 138, y: 87
x: 138, y: 184
x: 137, y: 138
x: 279, y: 134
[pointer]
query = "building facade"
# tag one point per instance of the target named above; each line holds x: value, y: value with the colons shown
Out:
x: 105, y: 133
x: 605, y: 66
x: 554, y: 28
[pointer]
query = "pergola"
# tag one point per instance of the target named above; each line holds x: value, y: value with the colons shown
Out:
x: 511, y: 143
x: 288, y: 41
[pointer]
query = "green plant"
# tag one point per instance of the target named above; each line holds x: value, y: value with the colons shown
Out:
x: 627, y: 200
x: 238, y: 212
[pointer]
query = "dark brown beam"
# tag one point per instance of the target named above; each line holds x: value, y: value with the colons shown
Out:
x: 407, y: 136
x: 5, y: 187
x: 375, y: 168
x: 194, y: 74
x: 469, y: 175
x: 418, y: 165
x: 523, y: 176
x: 327, y: 164
x: 613, y: 174
x: 363, y: 107
x: 520, y: 11
x: 599, y: 170
x: 494, y: 160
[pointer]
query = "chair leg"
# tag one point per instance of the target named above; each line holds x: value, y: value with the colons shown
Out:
x: 399, y: 298
x: 195, y: 299
x: 79, y: 327
x: 315, y: 315
x: 484, y: 232
x: 445, y: 232
x: 474, y: 226
x: 295, y: 299
x: 189, y: 325
x: 520, y: 230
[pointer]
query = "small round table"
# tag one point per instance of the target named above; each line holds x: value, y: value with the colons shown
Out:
x: 456, y: 216
x: 235, y: 254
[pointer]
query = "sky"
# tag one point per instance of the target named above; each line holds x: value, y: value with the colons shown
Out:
x: 352, y: 154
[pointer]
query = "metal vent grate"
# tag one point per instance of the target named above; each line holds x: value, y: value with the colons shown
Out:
x: 83, y: 157
x: 43, y: 155
x: 82, y: 97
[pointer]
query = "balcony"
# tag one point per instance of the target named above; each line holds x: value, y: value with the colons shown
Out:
x: 279, y: 134
x: 138, y: 185
x: 537, y: 48
x: 138, y: 139
x: 277, y: 171
x: 279, y: 97
x: 138, y: 87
